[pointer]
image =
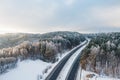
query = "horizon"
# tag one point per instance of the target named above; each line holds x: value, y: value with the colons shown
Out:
x: 55, y: 31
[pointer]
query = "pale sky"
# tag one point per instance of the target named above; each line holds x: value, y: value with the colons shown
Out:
x: 40, y: 16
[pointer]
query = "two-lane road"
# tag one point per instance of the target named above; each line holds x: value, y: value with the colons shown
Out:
x: 58, y: 68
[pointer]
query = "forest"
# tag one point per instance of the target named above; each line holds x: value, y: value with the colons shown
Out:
x: 45, y: 47
x: 102, y: 55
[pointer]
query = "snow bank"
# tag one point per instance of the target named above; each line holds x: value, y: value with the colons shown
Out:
x: 26, y: 70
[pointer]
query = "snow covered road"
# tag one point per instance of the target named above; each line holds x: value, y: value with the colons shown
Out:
x: 62, y: 68
x: 66, y: 69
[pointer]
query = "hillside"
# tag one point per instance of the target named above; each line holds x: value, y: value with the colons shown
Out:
x: 35, y: 46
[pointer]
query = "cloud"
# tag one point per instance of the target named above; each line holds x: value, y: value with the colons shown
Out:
x: 26, y: 13
x: 53, y: 15
x: 109, y: 16
x: 69, y: 2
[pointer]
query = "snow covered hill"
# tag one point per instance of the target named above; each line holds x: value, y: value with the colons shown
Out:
x: 35, y: 46
x: 38, y: 70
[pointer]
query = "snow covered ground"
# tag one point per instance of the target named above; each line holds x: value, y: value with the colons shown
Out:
x: 26, y: 70
x: 84, y: 76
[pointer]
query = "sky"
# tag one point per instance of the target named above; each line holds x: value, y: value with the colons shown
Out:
x: 41, y: 16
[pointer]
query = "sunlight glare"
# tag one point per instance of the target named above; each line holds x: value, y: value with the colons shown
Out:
x: 6, y: 29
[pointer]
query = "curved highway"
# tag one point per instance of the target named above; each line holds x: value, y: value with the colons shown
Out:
x: 72, y: 73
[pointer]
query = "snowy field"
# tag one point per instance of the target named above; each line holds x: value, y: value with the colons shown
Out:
x: 26, y: 70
